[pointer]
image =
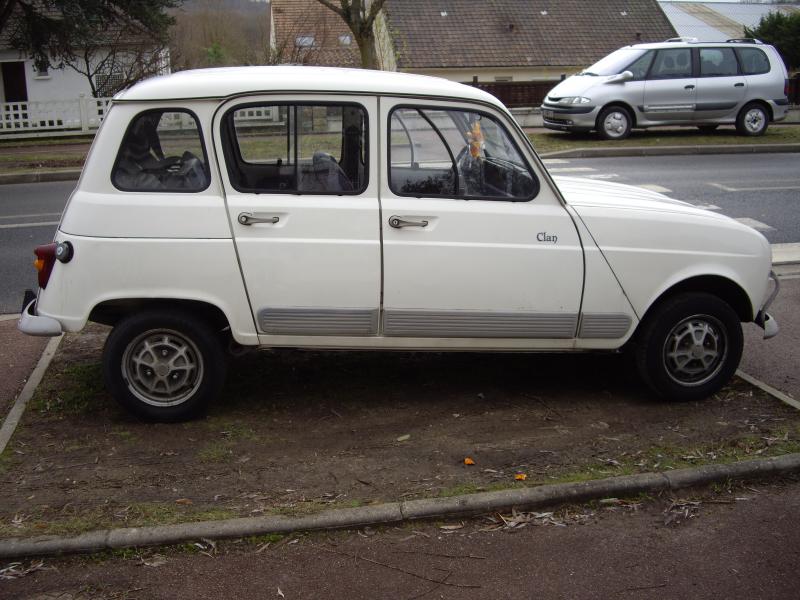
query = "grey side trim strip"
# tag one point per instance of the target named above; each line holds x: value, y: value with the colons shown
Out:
x: 604, y: 326
x: 714, y: 105
x: 473, y: 324
x: 318, y: 321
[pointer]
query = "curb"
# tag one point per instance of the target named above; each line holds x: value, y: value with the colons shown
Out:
x: 673, y: 150
x: 40, y: 176
x: 394, y: 512
x: 16, y: 412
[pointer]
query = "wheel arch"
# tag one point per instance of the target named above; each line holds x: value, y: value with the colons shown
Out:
x: 717, y: 285
x: 621, y: 104
x: 110, y: 312
x: 762, y: 103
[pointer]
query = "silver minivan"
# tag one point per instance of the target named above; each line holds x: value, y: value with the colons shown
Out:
x: 679, y: 82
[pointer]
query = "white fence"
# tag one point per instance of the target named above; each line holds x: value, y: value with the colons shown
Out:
x: 52, y: 117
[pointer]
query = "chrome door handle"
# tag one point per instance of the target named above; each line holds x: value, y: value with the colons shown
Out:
x: 399, y: 222
x: 249, y: 219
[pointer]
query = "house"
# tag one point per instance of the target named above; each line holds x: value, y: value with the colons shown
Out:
x: 501, y: 40
x: 718, y: 21
x: 73, y: 96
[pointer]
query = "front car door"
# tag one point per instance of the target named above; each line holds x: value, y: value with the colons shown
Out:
x: 670, y: 89
x: 303, y: 207
x: 477, y: 248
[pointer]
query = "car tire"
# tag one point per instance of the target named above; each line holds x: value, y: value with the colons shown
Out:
x: 164, y: 365
x: 614, y: 123
x: 707, y: 128
x: 689, y: 346
x: 753, y: 120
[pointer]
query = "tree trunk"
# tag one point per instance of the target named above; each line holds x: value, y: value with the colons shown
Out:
x: 366, y: 47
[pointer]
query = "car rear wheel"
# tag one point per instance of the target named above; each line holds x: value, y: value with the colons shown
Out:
x: 614, y: 123
x: 163, y: 366
x: 689, y: 346
x: 753, y: 120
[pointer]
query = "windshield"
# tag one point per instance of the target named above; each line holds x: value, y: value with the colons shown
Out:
x: 615, y: 62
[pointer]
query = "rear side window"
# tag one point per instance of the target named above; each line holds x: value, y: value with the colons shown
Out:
x: 297, y: 148
x: 754, y: 61
x: 718, y: 62
x: 455, y: 154
x: 162, y: 151
x: 672, y: 64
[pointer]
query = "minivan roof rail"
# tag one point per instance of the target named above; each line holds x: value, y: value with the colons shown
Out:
x: 745, y: 41
x: 691, y: 40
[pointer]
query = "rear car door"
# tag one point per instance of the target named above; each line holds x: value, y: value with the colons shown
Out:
x: 720, y: 87
x: 303, y: 208
x: 670, y: 89
x: 475, y: 242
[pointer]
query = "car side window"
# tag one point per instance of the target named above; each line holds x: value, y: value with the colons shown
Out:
x: 753, y: 60
x: 455, y: 153
x: 673, y: 63
x: 297, y: 148
x: 718, y: 62
x: 162, y: 151
x: 640, y: 66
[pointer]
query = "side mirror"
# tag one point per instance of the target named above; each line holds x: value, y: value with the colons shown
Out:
x: 621, y: 78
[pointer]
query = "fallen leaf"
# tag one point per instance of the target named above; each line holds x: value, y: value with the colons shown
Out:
x: 184, y: 501
x: 451, y: 527
x: 280, y: 593
x: 520, y: 476
x: 157, y: 560
x: 404, y: 438
x: 469, y: 461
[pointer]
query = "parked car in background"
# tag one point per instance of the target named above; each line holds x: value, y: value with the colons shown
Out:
x: 679, y: 82
x: 322, y: 208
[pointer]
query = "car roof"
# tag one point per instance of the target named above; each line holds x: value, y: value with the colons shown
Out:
x: 696, y: 44
x: 234, y: 81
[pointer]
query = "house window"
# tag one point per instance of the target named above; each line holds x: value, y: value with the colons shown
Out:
x: 304, y: 41
x: 299, y: 149
x: 345, y: 39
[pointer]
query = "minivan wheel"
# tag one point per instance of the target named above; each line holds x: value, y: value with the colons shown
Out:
x: 753, y: 120
x: 614, y: 123
x: 689, y: 346
x: 163, y: 366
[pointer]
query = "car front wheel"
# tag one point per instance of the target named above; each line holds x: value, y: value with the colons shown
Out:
x: 689, y: 346
x: 614, y: 123
x: 163, y: 366
x: 752, y: 120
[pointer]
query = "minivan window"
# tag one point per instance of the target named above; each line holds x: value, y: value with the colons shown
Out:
x: 296, y: 148
x: 672, y: 64
x: 641, y: 65
x: 754, y: 61
x: 614, y: 63
x: 718, y: 62
x: 455, y: 154
x: 162, y: 151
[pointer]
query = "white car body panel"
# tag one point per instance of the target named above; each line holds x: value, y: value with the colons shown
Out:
x: 618, y: 248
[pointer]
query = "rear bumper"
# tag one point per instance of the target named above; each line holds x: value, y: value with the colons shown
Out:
x: 32, y: 324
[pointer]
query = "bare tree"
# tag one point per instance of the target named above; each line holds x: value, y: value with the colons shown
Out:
x: 360, y: 15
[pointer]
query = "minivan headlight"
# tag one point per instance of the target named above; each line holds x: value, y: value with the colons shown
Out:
x: 574, y: 100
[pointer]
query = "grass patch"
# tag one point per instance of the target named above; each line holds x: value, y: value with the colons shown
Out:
x: 76, y: 389
x: 687, y: 136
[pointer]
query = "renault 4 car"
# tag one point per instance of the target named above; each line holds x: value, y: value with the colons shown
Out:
x: 680, y: 82
x: 303, y: 207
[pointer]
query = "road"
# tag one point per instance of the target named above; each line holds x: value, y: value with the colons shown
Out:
x: 761, y: 189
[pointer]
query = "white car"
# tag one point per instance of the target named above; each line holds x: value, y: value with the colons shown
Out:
x: 322, y: 208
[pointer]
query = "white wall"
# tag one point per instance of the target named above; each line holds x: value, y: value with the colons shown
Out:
x: 60, y: 84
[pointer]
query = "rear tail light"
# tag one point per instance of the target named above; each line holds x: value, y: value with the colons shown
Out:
x: 45, y: 259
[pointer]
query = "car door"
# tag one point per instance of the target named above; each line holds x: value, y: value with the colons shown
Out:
x: 476, y: 244
x: 303, y: 206
x: 720, y: 87
x: 670, y: 89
